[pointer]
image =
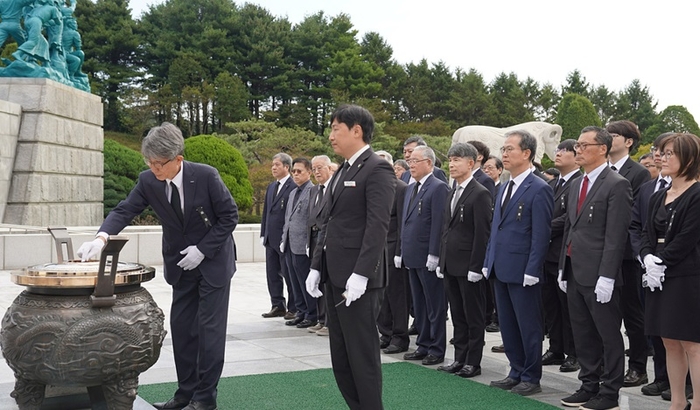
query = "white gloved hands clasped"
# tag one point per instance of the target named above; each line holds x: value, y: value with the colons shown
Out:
x: 530, y: 280
x: 91, y: 250
x: 655, y: 273
x: 604, y: 289
x: 193, y: 257
x: 474, y: 276
x: 432, y: 263
x: 312, y: 282
x: 438, y: 273
x: 355, y: 287
x: 397, y: 262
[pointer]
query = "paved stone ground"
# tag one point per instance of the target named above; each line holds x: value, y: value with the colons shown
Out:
x: 257, y: 345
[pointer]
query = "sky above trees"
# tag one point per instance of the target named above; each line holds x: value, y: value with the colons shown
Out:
x: 610, y: 43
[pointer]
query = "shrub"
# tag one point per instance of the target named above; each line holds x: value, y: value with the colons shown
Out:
x: 122, y: 167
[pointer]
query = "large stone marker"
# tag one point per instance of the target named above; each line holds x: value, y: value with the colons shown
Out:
x: 58, y: 166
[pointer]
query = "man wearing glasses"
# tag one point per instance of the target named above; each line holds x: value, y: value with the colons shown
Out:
x: 595, y: 235
x: 198, y: 216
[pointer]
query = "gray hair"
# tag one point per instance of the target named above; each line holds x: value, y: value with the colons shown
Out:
x: 426, y: 152
x: 386, y: 156
x: 323, y: 158
x: 527, y: 141
x: 285, y: 159
x: 463, y: 150
x: 164, y: 141
x: 402, y: 163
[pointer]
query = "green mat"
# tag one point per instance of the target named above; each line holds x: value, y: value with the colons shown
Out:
x: 406, y: 386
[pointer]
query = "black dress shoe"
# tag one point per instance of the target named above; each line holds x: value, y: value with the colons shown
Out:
x: 175, y: 403
x: 393, y: 349
x: 655, y: 389
x: 493, y: 328
x: 294, y: 321
x: 526, y: 388
x: 469, y: 371
x: 275, y: 312
x: 306, y: 323
x: 498, y: 349
x: 570, y: 365
x: 451, y: 368
x: 634, y: 378
x: 505, y: 384
x: 383, y: 344
x: 412, y: 331
x: 549, y: 358
x: 431, y: 360
x: 415, y: 355
x: 290, y: 315
x: 198, y: 405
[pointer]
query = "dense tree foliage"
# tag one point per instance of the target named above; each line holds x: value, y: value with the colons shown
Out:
x: 205, y: 63
x: 575, y: 113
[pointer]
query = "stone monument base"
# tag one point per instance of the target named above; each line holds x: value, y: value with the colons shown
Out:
x: 58, y: 164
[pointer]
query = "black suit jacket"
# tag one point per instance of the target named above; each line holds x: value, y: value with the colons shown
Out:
x: 355, y: 223
x: 598, y: 234
x: 204, y: 193
x: 465, y: 233
x: 273, y: 213
x: 640, y: 210
x: 393, y: 238
x: 314, y: 222
x: 637, y: 175
x: 561, y: 198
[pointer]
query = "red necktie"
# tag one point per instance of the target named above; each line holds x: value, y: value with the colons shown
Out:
x: 582, y: 195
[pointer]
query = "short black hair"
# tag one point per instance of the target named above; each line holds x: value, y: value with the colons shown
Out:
x: 304, y: 161
x: 351, y: 115
x: 482, y: 149
x: 627, y: 129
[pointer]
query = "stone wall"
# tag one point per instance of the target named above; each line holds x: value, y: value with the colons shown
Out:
x: 10, y: 115
x: 58, y: 167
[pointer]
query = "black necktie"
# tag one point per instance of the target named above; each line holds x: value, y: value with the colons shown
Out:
x: 277, y: 188
x: 296, y: 196
x: 414, y: 193
x: 341, y: 173
x: 560, y: 184
x: 175, y: 202
x: 319, y: 197
x: 613, y: 167
x: 662, y: 184
x: 509, y: 192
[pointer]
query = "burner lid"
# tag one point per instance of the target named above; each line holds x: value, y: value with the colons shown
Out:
x: 76, y: 274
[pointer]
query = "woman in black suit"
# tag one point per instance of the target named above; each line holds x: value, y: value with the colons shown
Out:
x: 671, y: 252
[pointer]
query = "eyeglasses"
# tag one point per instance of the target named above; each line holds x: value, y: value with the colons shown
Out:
x: 297, y: 171
x: 583, y: 145
x: 319, y: 169
x: 562, y: 150
x: 507, y: 150
x: 667, y: 155
x: 415, y: 161
x: 156, y: 164
x: 488, y: 167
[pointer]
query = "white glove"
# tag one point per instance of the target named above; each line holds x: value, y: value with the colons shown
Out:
x: 193, y: 257
x: 282, y: 247
x: 438, y: 274
x: 485, y: 272
x: 562, y: 283
x: 604, y: 289
x: 474, y: 276
x: 530, y: 280
x: 91, y: 250
x: 307, y: 251
x: 655, y: 273
x: 262, y: 240
x: 312, y: 282
x: 432, y: 263
x: 397, y: 262
x: 355, y: 287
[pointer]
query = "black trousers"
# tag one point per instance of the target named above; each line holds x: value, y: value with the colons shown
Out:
x: 633, y: 315
x: 467, y: 300
x: 393, y: 316
x: 556, y: 313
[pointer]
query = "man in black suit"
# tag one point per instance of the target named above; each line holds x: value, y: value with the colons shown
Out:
x: 625, y: 141
x: 556, y: 311
x: 276, y: 198
x: 465, y: 232
x: 480, y: 176
x: 321, y: 167
x: 351, y: 256
x: 595, y: 235
x: 198, y: 215
x: 393, y: 316
x: 408, y: 146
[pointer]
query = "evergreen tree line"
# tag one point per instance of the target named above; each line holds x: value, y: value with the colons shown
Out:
x: 205, y: 63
